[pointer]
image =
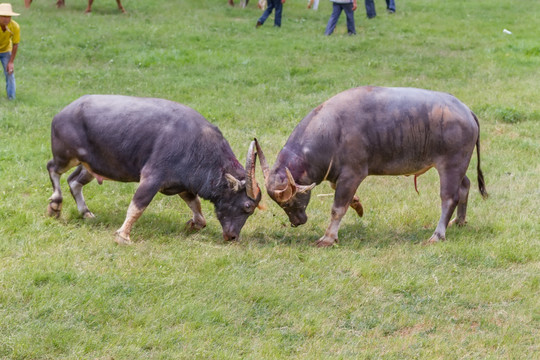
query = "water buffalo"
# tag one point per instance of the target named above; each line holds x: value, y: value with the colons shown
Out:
x: 376, y: 131
x: 166, y: 146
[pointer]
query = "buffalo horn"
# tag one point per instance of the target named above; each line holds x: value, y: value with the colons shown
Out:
x: 262, y: 160
x: 252, y: 189
x: 289, y: 191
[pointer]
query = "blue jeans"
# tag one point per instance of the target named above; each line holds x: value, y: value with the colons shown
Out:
x: 336, y: 12
x: 10, y: 78
x: 271, y: 5
x: 370, y: 7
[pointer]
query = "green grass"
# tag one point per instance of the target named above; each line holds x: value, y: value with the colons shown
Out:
x: 67, y: 291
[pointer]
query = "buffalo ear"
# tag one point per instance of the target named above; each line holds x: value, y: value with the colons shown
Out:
x: 235, y: 184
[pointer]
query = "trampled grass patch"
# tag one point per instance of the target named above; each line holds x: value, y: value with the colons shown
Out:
x: 67, y: 291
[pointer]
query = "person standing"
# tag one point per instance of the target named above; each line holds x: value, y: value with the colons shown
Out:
x: 272, y: 4
x: 370, y: 8
x: 349, y: 6
x: 313, y: 4
x: 10, y: 35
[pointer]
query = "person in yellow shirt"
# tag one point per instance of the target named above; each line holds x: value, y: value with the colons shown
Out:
x: 10, y: 36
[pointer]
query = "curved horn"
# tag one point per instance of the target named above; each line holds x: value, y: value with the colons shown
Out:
x: 305, y: 188
x: 262, y: 160
x: 289, y: 191
x: 252, y: 188
x: 298, y: 188
x: 285, y: 194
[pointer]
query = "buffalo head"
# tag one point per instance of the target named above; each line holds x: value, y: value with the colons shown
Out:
x: 283, y: 189
x: 237, y: 204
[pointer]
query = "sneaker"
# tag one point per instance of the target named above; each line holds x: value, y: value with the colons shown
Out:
x: 258, y: 25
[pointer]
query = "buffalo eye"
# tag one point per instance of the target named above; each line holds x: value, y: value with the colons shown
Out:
x: 248, y: 207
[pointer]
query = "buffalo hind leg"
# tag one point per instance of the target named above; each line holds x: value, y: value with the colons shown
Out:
x: 76, y: 181
x: 55, y: 201
x: 143, y: 196
x: 198, y: 221
x: 459, y: 220
x: 450, y: 195
x: 343, y: 198
x: 56, y: 167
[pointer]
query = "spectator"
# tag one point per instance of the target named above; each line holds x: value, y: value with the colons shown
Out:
x: 272, y: 4
x: 370, y: 8
x: 10, y: 35
x: 349, y: 6
x: 313, y: 4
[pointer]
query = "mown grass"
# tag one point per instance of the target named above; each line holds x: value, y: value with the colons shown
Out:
x: 68, y: 292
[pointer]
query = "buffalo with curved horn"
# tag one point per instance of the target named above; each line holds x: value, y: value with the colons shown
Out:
x: 376, y: 131
x: 165, y: 146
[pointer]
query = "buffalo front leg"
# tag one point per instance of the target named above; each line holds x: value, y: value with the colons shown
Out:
x: 76, y: 181
x: 355, y: 203
x: 143, y: 196
x: 343, y: 198
x: 198, y: 221
x: 450, y: 189
x: 459, y: 220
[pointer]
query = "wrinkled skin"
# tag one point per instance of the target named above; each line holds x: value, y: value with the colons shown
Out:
x: 377, y: 131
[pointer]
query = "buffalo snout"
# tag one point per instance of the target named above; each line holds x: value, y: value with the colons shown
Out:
x: 230, y: 236
x: 297, y: 219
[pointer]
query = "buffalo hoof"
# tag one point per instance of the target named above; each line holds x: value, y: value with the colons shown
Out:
x: 458, y: 222
x: 326, y: 242
x: 193, y: 226
x: 122, y: 240
x: 54, y: 209
x: 435, y: 238
x: 88, y: 215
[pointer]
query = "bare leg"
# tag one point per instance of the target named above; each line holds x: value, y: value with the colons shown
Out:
x: 120, y: 6
x: 345, y: 189
x: 198, y: 221
x: 144, y: 194
x: 27, y: 3
x: 89, y: 8
x: 60, y: 3
x: 459, y: 220
x: 76, y: 181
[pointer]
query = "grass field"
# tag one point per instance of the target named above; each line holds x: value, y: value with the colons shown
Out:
x: 67, y: 291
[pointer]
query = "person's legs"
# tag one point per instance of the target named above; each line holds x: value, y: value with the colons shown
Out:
x: 391, y: 6
x: 336, y: 12
x: 267, y: 12
x: 349, y: 13
x: 279, y: 11
x: 10, y: 78
x: 370, y: 8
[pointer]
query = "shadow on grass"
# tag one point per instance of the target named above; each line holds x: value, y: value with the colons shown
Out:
x: 359, y: 236
x: 170, y: 227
